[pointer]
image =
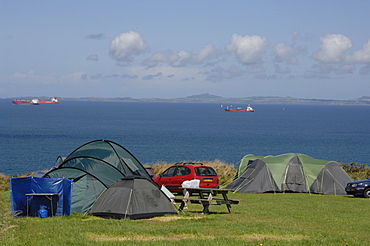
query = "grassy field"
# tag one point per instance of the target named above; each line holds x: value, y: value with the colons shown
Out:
x: 261, y: 219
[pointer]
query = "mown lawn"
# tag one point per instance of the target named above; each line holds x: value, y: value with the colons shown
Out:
x: 261, y: 219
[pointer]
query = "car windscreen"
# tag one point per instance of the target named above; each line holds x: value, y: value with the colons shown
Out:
x: 205, y: 171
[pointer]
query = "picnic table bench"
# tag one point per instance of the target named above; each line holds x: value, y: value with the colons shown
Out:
x: 206, y: 198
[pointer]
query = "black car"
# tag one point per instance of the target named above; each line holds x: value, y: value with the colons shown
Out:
x: 359, y: 188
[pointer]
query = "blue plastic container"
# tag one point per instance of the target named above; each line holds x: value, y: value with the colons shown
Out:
x: 42, y: 213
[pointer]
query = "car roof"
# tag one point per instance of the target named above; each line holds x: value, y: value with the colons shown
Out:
x: 359, y: 181
x: 191, y: 165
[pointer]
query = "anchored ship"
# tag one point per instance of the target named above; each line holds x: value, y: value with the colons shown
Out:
x: 34, y: 101
x: 240, y: 109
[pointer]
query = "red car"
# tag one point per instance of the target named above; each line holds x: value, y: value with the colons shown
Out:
x: 175, y: 175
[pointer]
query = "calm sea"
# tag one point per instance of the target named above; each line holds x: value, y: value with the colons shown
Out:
x: 32, y: 137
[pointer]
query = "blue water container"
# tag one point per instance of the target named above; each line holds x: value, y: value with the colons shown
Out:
x: 42, y: 213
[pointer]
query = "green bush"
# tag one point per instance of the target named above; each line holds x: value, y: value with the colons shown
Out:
x: 356, y: 171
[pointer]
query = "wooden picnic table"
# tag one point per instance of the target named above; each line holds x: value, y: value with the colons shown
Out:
x: 206, y: 197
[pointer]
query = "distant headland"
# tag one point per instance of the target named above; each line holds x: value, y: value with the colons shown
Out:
x: 209, y: 98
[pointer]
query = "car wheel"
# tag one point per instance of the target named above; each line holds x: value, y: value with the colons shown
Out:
x: 367, y: 193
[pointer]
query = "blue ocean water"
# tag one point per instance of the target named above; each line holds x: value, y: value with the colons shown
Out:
x: 32, y: 137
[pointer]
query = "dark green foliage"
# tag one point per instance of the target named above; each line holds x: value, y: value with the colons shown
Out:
x: 356, y: 171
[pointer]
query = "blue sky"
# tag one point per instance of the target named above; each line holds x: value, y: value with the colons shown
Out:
x: 167, y: 49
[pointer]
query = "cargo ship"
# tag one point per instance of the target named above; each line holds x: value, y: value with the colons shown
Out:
x: 53, y: 100
x: 240, y: 109
x: 26, y: 102
x: 33, y: 101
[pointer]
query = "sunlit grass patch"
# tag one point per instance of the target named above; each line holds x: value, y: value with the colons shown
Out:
x: 178, y: 237
x: 171, y: 218
x: 143, y: 237
x: 262, y: 237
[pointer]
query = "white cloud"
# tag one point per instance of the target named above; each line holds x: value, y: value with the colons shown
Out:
x: 208, y: 52
x: 124, y: 47
x: 327, y: 68
x: 362, y: 56
x: 182, y: 58
x: 32, y: 77
x: 219, y: 74
x: 282, y: 52
x: 345, y: 69
x: 154, y: 60
x: 247, y: 49
x: 333, y: 48
x: 153, y: 76
x: 45, y: 79
x: 288, y: 53
x: 333, y: 51
x: 168, y: 73
x: 76, y: 76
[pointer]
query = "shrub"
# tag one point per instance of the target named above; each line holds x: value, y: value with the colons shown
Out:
x: 356, y: 171
x: 4, y: 182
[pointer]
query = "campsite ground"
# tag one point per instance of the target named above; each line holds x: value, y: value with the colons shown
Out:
x: 261, y: 219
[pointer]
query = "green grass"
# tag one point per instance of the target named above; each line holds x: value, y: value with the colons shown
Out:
x: 261, y: 219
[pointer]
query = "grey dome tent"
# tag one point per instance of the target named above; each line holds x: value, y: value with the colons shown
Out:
x: 289, y: 173
x: 93, y: 167
x: 134, y: 198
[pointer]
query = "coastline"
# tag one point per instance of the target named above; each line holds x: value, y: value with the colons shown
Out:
x: 209, y: 98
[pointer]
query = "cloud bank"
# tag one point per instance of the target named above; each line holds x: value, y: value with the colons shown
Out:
x: 249, y: 54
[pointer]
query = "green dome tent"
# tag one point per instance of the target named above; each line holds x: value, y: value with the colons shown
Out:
x: 93, y: 167
x: 289, y: 172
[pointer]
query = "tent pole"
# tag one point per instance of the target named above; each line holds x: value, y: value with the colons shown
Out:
x: 305, y: 179
x: 335, y: 182
x: 128, y: 203
x: 242, y: 184
x: 268, y: 171
x: 284, y: 181
x: 322, y: 180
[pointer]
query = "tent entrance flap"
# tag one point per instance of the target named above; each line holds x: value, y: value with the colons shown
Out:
x: 294, y: 180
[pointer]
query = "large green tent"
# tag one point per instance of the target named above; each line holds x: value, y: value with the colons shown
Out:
x: 289, y: 172
x: 93, y: 167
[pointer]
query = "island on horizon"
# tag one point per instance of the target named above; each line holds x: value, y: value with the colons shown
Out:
x: 209, y: 98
